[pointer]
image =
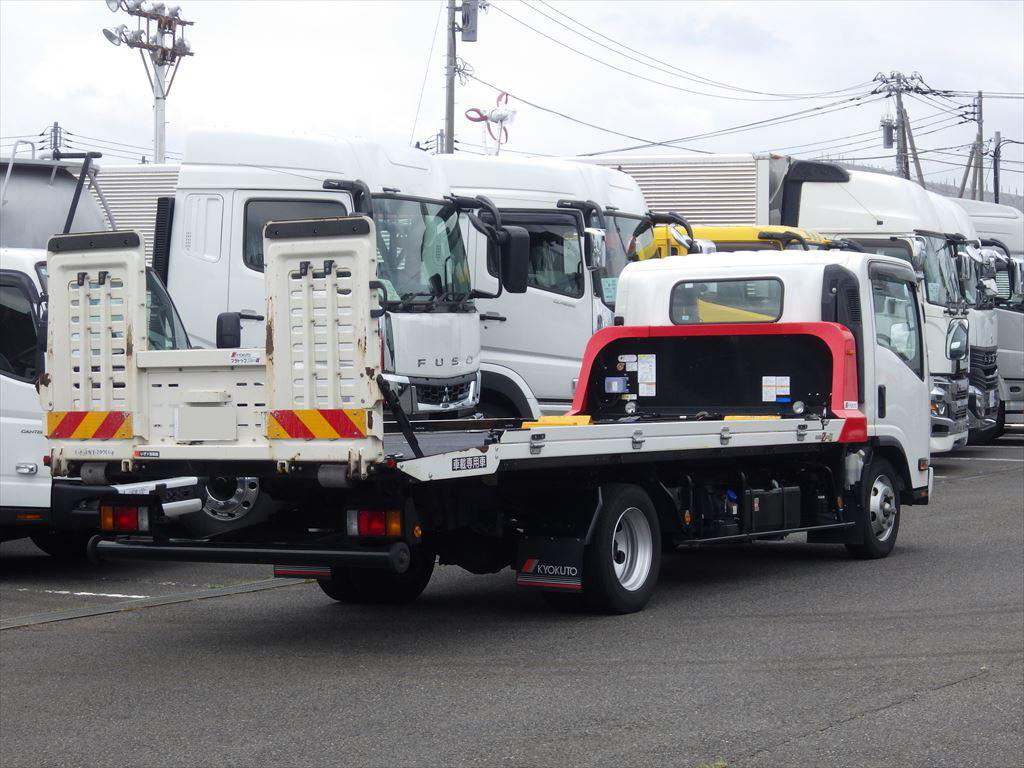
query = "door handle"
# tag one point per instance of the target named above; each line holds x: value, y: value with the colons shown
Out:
x: 485, y: 316
x: 26, y: 468
x: 881, y: 401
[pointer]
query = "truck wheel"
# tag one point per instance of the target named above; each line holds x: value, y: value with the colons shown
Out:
x: 622, y: 560
x: 368, y: 585
x: 229, y: 503
x: 879, y: 512
x: 63, y: 545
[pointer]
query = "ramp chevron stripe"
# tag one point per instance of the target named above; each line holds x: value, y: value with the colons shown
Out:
x: 89, y: 425
x: 316, y: 424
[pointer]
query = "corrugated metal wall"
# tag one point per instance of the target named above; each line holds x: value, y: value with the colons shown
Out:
x: 704, y: 190
x: 132, y: 191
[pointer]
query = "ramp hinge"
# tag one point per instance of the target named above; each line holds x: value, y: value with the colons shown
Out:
x: 536, y: 443
x: 638, y: 440
x: 801, y: 432
x: 725, y: 436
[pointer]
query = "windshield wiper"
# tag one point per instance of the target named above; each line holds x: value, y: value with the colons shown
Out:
x: 408, y: 299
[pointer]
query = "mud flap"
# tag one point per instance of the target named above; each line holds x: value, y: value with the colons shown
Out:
x: 548, y: 563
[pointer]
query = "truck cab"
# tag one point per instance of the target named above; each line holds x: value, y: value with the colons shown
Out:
x: 874, y: 296
x: 581, y: 219
x: 887, y: 215
x: 976, y: 272
x: 231, y: 184
x: 1001, y: 228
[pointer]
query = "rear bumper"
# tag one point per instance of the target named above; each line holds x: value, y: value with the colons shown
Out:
x: 76, y: 506
x: 394, y: 557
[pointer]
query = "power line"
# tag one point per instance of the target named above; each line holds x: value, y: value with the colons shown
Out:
x: 577, y: 120
x: 116, y: 143
x: 821, y: 109
x: 672, y: 70
x: 626, y: 71
x: 873, y: 133
x: 426, y: 70
x: 686, y: 74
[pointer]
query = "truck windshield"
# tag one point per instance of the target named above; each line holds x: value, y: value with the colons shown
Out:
x: 618, y: 236
x: 940, y: 282
x: 166, y: 330
x: 422, y: 256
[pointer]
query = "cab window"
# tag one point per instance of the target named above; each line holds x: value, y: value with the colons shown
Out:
x: 757, y: 300
x: 259, y: 212
x: 556, y: 259
x: 18, y: 340
x: 896, y: 321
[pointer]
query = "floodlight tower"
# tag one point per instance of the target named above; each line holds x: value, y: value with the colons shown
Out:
x: 160, y: 31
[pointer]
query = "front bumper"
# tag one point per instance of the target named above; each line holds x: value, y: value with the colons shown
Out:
x: 425, y: 396
x: 949, y: 412
x: 76, y: 506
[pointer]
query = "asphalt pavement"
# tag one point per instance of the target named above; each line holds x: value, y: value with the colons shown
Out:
x: 773, y: 654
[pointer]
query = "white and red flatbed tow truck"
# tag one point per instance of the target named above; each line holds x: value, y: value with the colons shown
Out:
x: 671, y: 441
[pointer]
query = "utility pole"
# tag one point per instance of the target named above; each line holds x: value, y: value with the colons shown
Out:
x: 967, y: 170
x: 997, y: 150
x: 979, y: 168
x: 449, y: 84
x: 902, y: 164
x: 55, y: 139
x: 164, y: 39
x: 913, y: 146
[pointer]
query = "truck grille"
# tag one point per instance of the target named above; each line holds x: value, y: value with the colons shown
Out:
x: 984, y: 374
x: 442, y: 394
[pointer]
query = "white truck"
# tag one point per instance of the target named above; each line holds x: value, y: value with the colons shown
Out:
x: 976, y: 272
x: 799, y: 424
x: 894, y: 215
x: 581, y: 220
x: 39, y: 196
x: 889, y: 215
x: 1002, y: 227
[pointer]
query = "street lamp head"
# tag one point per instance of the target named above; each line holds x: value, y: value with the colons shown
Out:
x: 173, y: 11
x: 132, y: 6
x: 134, y: 38
x: 157, y: 8
x: 182, y: 47
x: 114, y: 5
x: 115, y: 35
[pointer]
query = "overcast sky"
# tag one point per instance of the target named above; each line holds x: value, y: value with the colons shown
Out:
x: 359, y: 67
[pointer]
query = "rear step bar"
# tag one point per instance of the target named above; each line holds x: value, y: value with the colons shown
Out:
x: 395, y: 558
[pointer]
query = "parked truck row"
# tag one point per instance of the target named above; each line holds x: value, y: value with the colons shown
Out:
x: 273, y: 435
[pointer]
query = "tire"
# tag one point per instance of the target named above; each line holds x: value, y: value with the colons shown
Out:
x: 373, y: 586
x: 622, y: 560
x: 879, y: 513
x: 63, y: 545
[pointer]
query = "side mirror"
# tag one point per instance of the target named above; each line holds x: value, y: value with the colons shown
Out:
x: 917, y: 252
x: 957, y: 343
x: 515, y: 259
x: 229, y: 330
x: 597, y: 250
x: 1017, y: 278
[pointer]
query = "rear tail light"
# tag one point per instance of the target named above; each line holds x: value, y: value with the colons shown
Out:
x: 374, y: 522
x: 124, y: 519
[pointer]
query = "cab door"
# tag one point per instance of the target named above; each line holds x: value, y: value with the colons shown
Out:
x: 24, y: 480
x: 541, y: 334
x: 900, y: 408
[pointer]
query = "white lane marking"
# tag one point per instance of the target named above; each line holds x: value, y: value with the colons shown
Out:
x: 83, y: 594
x: 977, y: 458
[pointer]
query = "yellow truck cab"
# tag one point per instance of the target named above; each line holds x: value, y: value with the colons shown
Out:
x: 669, y: 240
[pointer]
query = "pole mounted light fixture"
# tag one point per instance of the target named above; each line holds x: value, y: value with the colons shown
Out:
x: 160, y: 33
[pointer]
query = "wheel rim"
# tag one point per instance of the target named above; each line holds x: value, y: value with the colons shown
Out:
x: 231, y: 498
x: 882, y: 507
x: 632, y: 549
